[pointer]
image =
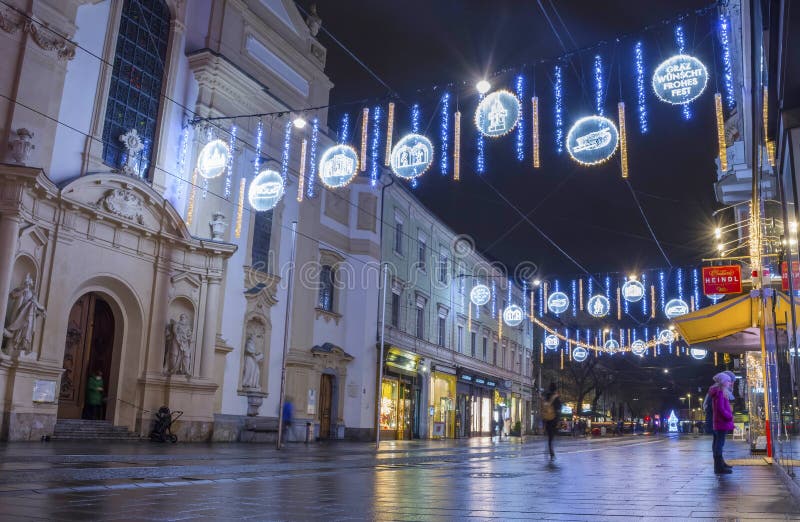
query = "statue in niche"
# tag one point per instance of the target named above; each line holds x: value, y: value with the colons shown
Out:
x: 24, y: 312
x: 217, y: 225
x: 252, y: 365
x: 178, y: 355
x: 313, y: 21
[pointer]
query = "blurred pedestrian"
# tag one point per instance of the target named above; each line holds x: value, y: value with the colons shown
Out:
x: 94, y: 395
x: 720, y: 395
x: 551, y: 407
x: 287, y: 414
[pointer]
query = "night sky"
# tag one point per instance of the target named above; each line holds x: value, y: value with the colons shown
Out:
x: 588, y: 211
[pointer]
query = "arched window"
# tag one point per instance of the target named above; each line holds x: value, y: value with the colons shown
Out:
x: 135, y: 91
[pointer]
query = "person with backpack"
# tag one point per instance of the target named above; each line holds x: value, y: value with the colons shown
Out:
x: 550, y: 410
x: 718, y: 411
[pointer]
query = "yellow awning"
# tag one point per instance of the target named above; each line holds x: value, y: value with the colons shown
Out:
x: 717, y: 321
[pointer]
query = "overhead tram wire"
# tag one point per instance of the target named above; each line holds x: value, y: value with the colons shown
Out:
x: 647, y: 222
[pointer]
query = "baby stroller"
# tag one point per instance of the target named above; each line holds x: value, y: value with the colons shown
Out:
x: 162, y: 427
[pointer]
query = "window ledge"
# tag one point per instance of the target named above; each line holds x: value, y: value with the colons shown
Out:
x: 328, y: 316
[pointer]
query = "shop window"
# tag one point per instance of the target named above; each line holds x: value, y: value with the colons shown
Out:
x: 136, y: 78
x: 389, y: 403
x: 473, y: 343
x: 262, y: 235
x: 485, y: 347
x: 422, y: 249
x: 398, y: 237
x: 460, y: 339
x: 443, y: 262
x: 442, y: 329
x: 421, y: 301
x: 326, y: 287
x: 395, y: 318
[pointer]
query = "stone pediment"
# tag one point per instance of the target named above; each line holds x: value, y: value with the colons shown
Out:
x: 121, y: 198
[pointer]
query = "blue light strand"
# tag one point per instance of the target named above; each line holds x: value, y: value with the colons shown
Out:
x: 662, y: 289
x: 184, y: 146
x: 574, y: 298
x: 444, y: 156
x: 312, y: 157
x: 259, y: 140
x: 589, y: 284
x: 287, y: 144
x: 344, y: 129
x: 680, y: 39
x: 556, y: 285
x: 415, y: 117
x: 598, y: 84
x: 644, y: 299
x: 541, y: 301
x: 625, y: 302
x: 680, y: 284
x: 525, y: 298
x: 509, y: 292
x: 727, y: 69
x: 696, y: 288
x: 520, y: 143
x: 480, y: 163
x: 229, y: 173
x: 376, y: 146
x: 558, y: 93
x: 494, y: 300
x: 638, y: 57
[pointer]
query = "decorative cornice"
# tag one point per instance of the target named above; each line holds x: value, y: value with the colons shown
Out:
x: 46, y: 38
x: 10, y: 22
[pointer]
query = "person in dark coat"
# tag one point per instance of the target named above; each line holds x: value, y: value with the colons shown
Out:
x: 551, y: 426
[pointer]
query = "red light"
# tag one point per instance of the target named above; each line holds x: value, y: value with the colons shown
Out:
x: 754, y: 273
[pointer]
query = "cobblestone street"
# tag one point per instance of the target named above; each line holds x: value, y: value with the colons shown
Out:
x: 602, y: 479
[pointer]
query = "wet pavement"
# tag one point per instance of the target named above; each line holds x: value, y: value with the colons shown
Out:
x: 592, y: 479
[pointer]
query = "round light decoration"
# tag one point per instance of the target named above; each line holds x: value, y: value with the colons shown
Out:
x: 558, y: 302
x: 611, y: 345
x: 265, y: 190
x: 213, y: 159
x: 633, y: 291
x: 513, y: 315
x: 480, y: 295
x: 412, y: 156
x: 676, y: 307
x: 592, y: 140
x: 680, y: 79
x: 598, y: 306
x: 338, y: 166
x: 580, y: 353
x: 698, y: 353
x: 551, y: 342
x: 497, y: 114
x: 666, y: 337
x: 638, y: 347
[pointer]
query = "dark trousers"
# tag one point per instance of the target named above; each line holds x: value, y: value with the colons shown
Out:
x: 94, y: 411
x: 719, y: 442
x: 551, y: 428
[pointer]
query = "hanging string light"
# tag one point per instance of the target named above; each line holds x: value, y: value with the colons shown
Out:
x: 653, y: 301
x: 574, y: 300
x: 415, y: 117
x: 662, y: 289
x: 387, y: 155
x: 641, y: 107
x: 623, y: 140
x: 524, y: 301
x: 209, y: 138
x: 480, y: 165
x: 619, y: 305
x: 259, y: 138
x: 376, y: 143
x: 580, y: 294
x: 680, y: 284
x: 541, y: 300
x: 301, y: 177
x: 184, y: 146
x: 344, y: 129
x: 192, y: 195
x: 457, y: 146
x: 644, y: 296
x: 445, y: 133
x: 723, y: 150
x: 364, y: 132
x: 680, y: 39
x: 696, y: 287
x: 765, y: 118
x: 519, y: 88
x: 494, y: 300
x: 727, y: 69
x: 598, y: 85
x: 559, y: 108
x: 312, y: 157
x: 469, y: 316
x: 229, y: 166
x: 287, y: 144
x: 240, y: 208
x: 535, y: 131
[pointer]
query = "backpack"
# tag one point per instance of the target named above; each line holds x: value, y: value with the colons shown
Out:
x: 548, y: 411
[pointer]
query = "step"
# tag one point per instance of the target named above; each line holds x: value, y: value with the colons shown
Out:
x: 80, y: 429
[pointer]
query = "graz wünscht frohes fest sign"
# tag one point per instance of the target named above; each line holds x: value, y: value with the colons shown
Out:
x: 680, y: 79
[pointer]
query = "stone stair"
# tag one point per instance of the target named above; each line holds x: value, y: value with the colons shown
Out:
x: 78, y: 429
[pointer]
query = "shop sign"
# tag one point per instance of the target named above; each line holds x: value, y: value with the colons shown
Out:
x: 722, y: 279
x: 465, y: 377
x: 795, y: 276
x: 676, y: 307
x: 592, y: 140
x: 478, y: 380
x: 558, y: 302
x: 680, y: 79
x: 497, y: 114
x: 633, y: 291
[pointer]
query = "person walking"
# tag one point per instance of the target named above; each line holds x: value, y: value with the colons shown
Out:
x: 720, y: 394
x: 551, y: 407
x: 94, y: 395
x: 287, y: 414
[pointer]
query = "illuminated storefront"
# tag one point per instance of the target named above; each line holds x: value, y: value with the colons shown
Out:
x: 444, y: 405
x: 475, y: 404
x: 399, y: 406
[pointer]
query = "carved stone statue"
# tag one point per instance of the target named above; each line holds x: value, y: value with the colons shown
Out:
x: 217, y: 225
x: 133, y: 146
x: 178, y: 354
x: 313, y: 21
x: 26, y: 308
x: 20, y: 146
x: 252, y: 365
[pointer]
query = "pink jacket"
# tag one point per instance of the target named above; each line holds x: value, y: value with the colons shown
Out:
x: 723, y: 416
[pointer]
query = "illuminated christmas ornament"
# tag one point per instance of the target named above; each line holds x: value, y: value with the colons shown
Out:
x: 680, y: 79
x: 513, y: 315
x: 672, y: 420
x: 551, y: 342
x: 497, y: 114
x: 633, y: 291
x: 266, y: 190
x: 592, y: 140
x: 666, y: 337
x: 213, y: 159
x: 611, y: 345
x: 338, y: 166
x: 412, y: 156
x: 598, y: 306
x: 676, y: 307
x: 638, y: 347
x: 480, y: 295
x: 558, y: 302
x: 698, y: 353
x: 580, y: 353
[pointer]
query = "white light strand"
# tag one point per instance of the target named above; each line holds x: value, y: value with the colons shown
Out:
x: 680, y: 39
x: 480, y: 166
x: 259, y: 137
x: 312, y: 157
x: 231, y: 154
x: 364, y: 133
x: 344, y: 129
x: 535, y: 131
x: 727, y: 68
x: 559, y: 109
x: 301, y: 178
x: 520, y: 143
x: 376, y: 144
x: 444, y: 132
x: 457, y: 146
x: 598, y: 85
x: 182, y: 162
x: 287, y: 144
x: 387, y: 155
x: 638, y: 56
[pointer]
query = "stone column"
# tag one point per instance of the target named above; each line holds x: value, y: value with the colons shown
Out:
x: 209, y: 329
x: 9, y: 233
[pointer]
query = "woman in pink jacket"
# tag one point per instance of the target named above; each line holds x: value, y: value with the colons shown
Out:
x: 720, y: 395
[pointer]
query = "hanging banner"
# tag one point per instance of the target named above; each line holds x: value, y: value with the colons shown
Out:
x: 795, y: 276
x: 680, y: 79
x: 722, y: 279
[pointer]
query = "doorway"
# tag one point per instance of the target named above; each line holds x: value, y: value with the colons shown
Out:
x: 88, y: 350
x: 325, y: 405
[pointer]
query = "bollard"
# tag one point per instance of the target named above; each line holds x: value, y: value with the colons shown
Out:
x: 309, y: 432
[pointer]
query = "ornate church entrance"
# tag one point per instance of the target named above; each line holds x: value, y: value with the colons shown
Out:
x: 89, y: 348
